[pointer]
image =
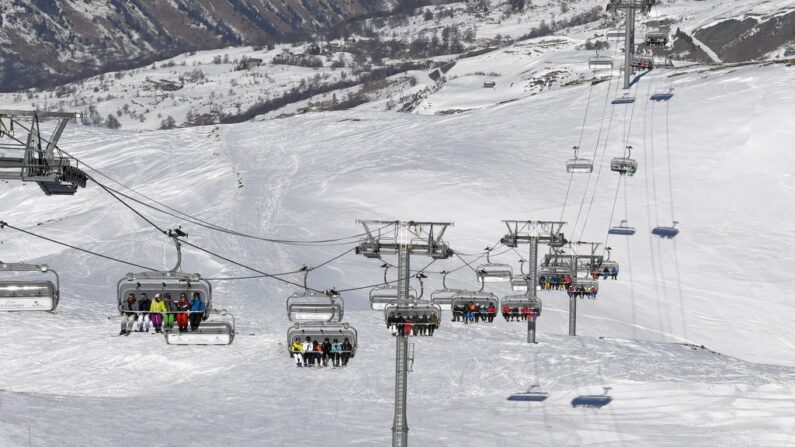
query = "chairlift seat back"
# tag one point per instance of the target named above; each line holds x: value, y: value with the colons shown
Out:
x: 476, y: 297
x: 495, y: 272
x: 519, y: 284
x: 162, y: 285
x: 384, y: 295
x: 28, y: 295
x: 520, y: 301
x: 579, y: 166
x: 444, y: 298
x: 313, y: 306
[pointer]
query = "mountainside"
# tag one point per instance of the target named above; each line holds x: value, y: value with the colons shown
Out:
x: 47, y: 42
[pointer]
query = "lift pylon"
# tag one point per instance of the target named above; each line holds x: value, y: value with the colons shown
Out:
x: 33, y: 158
x: 533, y: 232
x: 630, y: 6
x: 406, y: 238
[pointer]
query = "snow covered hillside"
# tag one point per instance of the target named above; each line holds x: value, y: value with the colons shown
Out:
x: 309, y: 177
x: 693, y: 345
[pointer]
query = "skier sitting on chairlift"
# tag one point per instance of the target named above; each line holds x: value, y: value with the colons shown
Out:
x: 197, y: 308
x: 128, y: 318
x: 296, y: 352
x: 143, y: 308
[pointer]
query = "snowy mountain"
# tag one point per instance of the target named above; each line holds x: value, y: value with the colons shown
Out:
x: 693, y: 344
x: 47, y: 42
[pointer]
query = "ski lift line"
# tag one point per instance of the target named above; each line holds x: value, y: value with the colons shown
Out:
x: 596, y: 182
x: 73, y: 247
x: 596, y: 148
x: 197, y: 221
x: 382, y: 283
x: 235, y: 278
x: 239, y: 264
x: 157, y: 227
x: 613, y: 210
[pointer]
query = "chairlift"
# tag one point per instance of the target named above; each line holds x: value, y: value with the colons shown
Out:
x: 662, y: 96
x: 582, y: 287
x: 173, y: 283
x: 494, y: 272
x: 555, y: 274
x: 624, y: 165
x: 218, y: 329
x: 28, y: 294
x: 622, y: 229
x: 308, y: 305
x: 531, y: 395
x: 478, y: 298
x: 526, y: 300
x: 626, y: 98
x: 579, y: 165
x: 444, y: 298
x: 319, y: 331
x: 520, y: 284
x: 656, y: 38
x: 386, y: 294
x: 598, y: 62
x: 666, y: 232
x: 592, y: 401
x: 642, y: 62
x: 413, y: 310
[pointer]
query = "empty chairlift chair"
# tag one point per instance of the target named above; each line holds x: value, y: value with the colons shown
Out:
x: 626, y: 164
x: 600, y: 62
x: 314, y: 306
x: 384, y: 295
x: 494, y: 272
x: 666, y: 232
x: 578, y: 165
x: 520, y: 283
x: 444, y: 298
x: 20, y: 294
x: 622, y: 229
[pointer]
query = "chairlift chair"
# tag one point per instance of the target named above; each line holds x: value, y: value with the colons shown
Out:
x: 413, y: 310
x: 319, y: 331
x: 218, y: 329
x: 656, y: 38
x: 521, y: 301
x: 28, y: 294
x: 599, y: 62
x: 578, y: 165
x: 170, y: 282
x: 478, y: 298
x: 385, y: 294
x: 521, y: 283
x: 444, y: 298
x: 616, y: 34
x: 626, y: 98
x: 666, y: 232
x: 622, y: 229
x: 314, y: 306
x: 494, y: 272
x: 585, y: 284
x: 624, y: 165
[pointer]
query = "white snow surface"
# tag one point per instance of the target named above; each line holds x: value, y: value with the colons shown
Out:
x: 725, y: 282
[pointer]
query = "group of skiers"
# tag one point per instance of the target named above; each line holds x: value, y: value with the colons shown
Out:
x: 605, y: 273
x: 517, y: 313
x: 417, y: 325
x: 161, y: 313
x: 312, y: 353
x: 472, y: 312
x: 582, y: 292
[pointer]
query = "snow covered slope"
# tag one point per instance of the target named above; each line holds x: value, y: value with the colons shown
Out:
x: 723, y: 282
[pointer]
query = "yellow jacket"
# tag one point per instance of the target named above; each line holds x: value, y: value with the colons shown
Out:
x: 297, y: 347
x: 157, y: 306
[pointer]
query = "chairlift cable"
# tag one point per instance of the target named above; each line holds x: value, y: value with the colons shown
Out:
x: 190, y: 218
x: 613, y: 210
x: 138, y: 213
x: 323, y: 264
x: 382, y: 283
x: 73, y: 247
x: 596, y: 149
x: 579, y: 143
